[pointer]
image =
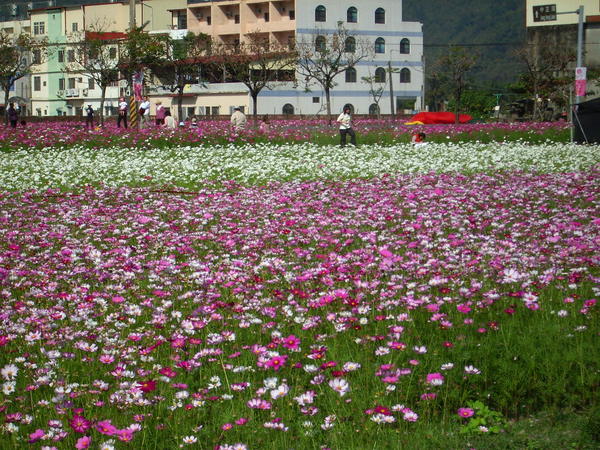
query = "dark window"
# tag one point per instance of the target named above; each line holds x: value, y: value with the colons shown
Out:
x: 208, y: 20
x: 112, y: 53
x: 292, y: 14
x: 350, y: 45
x: 61, y: 84
x: 405, y: 75
x: 37, y: 83
x: 91, y: 83
x: 316, y: 99
x: 320, y: 14
x: 37, y: 57
x: 61, y: 56
x: 267, y: 17
x: 405, y: 46
x: 74, y: 26
x: 236, y: 18
x: 374, y: 109
x: 379, y: 45
x: 287, y: 109
x: 320, y: 44
x: 70, y: 56
x: 352, y: 15
x: 380, y: 75
x: 380, y: 15
x: 71, y: 83
x: 182, y: 21
x: 350, y: 75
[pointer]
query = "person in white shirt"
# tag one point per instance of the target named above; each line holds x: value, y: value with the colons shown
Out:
x: 122, y: 113
x: 169, y: 120
x: 238, y: 119
x: 345, y: 121
x: 144, y: 112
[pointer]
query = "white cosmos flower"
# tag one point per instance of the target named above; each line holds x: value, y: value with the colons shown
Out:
x: 339, y: 385
x: 9, y: 372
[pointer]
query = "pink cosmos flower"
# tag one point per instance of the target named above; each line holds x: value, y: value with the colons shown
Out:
x: 106, y: 427
x: 465, y: 412
x: 80, y: 424
x: 36, y: 436
x: 291, y: 342
x: 83, y: 443
x: 435, y: 379
x: 277, y: 362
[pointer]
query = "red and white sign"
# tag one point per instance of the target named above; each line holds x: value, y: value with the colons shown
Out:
x: 580, y: 81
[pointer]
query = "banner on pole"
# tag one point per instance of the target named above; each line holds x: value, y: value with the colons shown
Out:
x: 580, y: 81
x: 138, y: 84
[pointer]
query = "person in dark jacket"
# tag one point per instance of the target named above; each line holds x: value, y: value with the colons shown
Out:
x: 13, y: 115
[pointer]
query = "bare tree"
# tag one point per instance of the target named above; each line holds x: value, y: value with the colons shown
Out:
x: 259, y: 64
x: 376, y: 89
x: 322, y: 58
x: 545, y: 75
x: 452, y: 69
x: 18, y: 57
x: 96, y: 56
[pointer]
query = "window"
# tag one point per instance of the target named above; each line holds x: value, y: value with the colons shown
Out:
x: 208, y: 20
x: 292, y: 14
x: 350, y: 75
x: 320, y: 44
x: 37, y: 57
x: 267, y: 17
x: 74, y: 26
x: 287, y: 109
x: 91, y: 84
x: 380, y: 75
x: 236, y: 18
x: 350, y: 106
x: 61, y: 84
x: 320, y: 14
x: 70, y: 56
x: 374, y: 109
x: 112, y: 53
x: 352, y: 15
x: 405, y: 46
x: 71, y: 83
x: 316, y: 99
x: 182, y: 20
x: 215, y: 110
x: 61, y: 56
x: 350, y: 45
x: 380, y: 15
x: 39, y: 28
x: 380, y: 45
x: 405, y: 75
x: 37, y: 83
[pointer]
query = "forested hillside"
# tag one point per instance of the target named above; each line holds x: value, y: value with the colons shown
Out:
x: 492, y: 28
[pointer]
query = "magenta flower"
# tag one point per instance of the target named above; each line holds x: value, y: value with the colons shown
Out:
x: 465, y: 412
x: 80, y: 424
x: 291, y: 342
x: 83, y: 443
x: 277, y: 362
x: 106, y: 427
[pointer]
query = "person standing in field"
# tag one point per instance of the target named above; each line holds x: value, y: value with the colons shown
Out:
x: 345, y: 121
x: 238, y: 119
x: 13, y: 115
x: 160, y: 114
x: 144, y: 112
x: 122, y: 113
x: 89, y: 117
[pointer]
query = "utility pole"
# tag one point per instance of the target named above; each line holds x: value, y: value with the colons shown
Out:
x: 390, y: 73
x: 133, y: 105
x: 131, y: 15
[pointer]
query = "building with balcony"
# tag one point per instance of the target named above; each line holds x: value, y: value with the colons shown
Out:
x: 396, y: 44
x: 20, y: 92
x: 57, y: 91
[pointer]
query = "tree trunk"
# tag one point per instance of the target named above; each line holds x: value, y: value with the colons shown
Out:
x: 328, y: 103
x: 6, y: 97
x: 254, y: 96
x: 180, y: 104
x: 102, y: 99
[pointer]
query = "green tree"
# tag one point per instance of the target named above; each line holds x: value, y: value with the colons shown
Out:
x: 18, y: 57
x: 181, y: 64
x: 258, y: 64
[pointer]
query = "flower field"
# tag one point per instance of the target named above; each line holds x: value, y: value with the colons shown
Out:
x: 295, y: 296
